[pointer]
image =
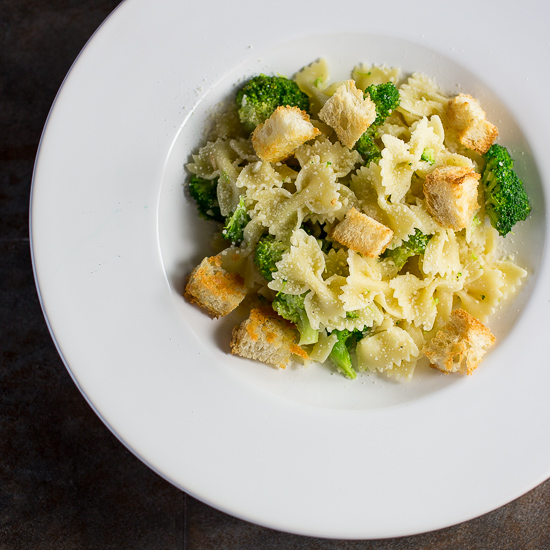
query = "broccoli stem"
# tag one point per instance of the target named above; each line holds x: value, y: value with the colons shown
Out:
x: 340, y: 354
x: 234, y: 226
x: 308, y: 335
x: 291, y: 308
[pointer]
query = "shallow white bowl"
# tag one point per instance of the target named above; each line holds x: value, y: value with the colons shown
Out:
x: 113, y: 234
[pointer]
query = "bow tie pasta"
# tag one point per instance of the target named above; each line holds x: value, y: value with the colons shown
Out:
x: 358, y: 220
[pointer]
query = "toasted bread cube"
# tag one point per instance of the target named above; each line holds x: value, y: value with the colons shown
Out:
x: 282, y: 133
x: 266, y: 337
x: 451, y: 196
x: 466, y: 116
x: 349, y: 113
x: 362, y: 234
x: 460, y: 345
x: 213, y: 288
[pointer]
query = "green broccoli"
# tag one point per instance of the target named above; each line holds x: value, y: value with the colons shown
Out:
x: 340, y: 354
x: 268, y: 252
x: 386, y: 99
x: 292, y: 309
x: 506, y: 201
x: 415, y: 245
x: 234, y: 225
x: 261, y: 95
x: 204, y: 192
x: 428, y: 155
x: 367, y: 148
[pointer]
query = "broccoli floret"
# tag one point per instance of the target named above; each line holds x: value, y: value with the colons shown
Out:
x: 506, y: 201
x: 261, y: 95
x: 367, y: 147
x: 428, y: 155
x: 292, y: 309
x: 234, y: 225
x: 415, y: 245
x: 340, y: 354
x: 386, y: 99
x: 268, y: 252
x: 205, y: 194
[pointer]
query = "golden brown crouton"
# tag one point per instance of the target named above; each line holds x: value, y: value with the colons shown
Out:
x: 460, y: 345
x: 362, y: 234
x: 213, y: 288
x: 266, y: 337
x: 466, y: 116
x: 283, y: 132
x: 451, y: 196
x: 348, y: 113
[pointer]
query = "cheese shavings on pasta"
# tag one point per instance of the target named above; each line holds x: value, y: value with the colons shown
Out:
x: 427, y: 293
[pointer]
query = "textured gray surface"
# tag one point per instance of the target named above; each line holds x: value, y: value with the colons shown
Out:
x: 65, y: 481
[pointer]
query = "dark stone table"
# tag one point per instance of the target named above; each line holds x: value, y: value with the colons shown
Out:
x: 65, y: 481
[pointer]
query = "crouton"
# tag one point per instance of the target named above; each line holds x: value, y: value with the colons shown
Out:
x: 451, y: 196
x: 282, y: 133
x: 362, y: 234
x: 466, y: 116
x: 266, y: 337
x: 460, y: 345
x: 349, y: 113
x: 213, y: 288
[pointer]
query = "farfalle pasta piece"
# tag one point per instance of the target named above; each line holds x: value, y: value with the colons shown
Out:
x: 317, y: 192
x: 257, y: 177
x: 279, y: 211
x: 327, y: 309
x: 217, y: 160
x: 513, y: 275
x: 317, y: 188
x: 323, y: 306
x: 448, y: 158
x: 364, y: 282
x: 365, y: 184
x: 340, y: 158
x: 421, y: 96
x: 301, y: 267
x: 403, y: 219
x: 367, y: 75
x: 417, y: 297
x: 396, y: 168
x: 312, y: 80
x: 386, y: 350
x: 480, y: 297
x: 442, y: 255
x: 244, y: 149
x: 426, y: 143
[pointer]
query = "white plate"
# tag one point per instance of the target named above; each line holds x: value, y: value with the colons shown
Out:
x: 112, y: 235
